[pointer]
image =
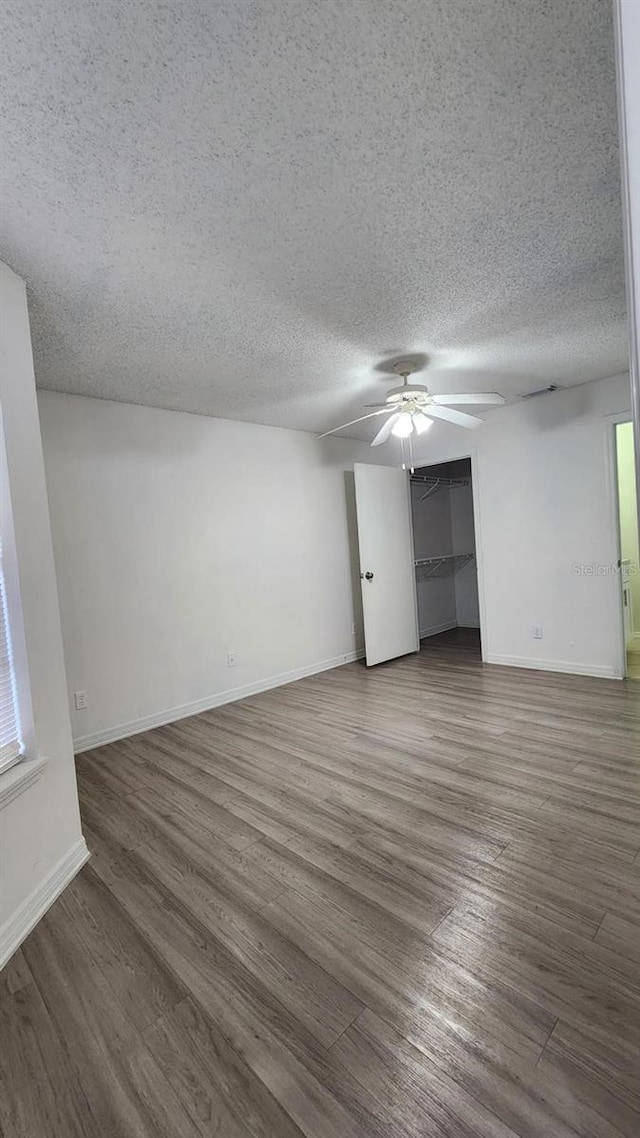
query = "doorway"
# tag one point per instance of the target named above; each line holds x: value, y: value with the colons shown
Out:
x: 629, y: 561
x: 444, y: 540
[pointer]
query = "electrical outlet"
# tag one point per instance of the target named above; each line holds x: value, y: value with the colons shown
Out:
x: 537, y: 632
x: 81, y: 699
x: 232, y: 660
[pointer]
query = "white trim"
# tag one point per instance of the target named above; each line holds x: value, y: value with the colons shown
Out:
x: 11, y: 760
x: 446, y: 625
x: 20, y: 777
x: 16, y: 615
x: 434, y: 629
x: 629, y: 187
x: 611, y: 475
x: 183, y: 711
x: 633, y: 643
x: 479, y: 552
x: 14, y: 931
x: 601, y: 671
x: 409, y: 501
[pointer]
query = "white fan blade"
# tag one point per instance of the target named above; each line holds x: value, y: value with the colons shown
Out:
x: 479, y: 397
x: 385, y: 430
x: 344, y: 426
x: 460, y: 418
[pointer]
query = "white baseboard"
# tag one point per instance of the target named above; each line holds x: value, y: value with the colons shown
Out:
x: 183, y: 711
x: 18, y: 927
x: 434, y: 629
x: 604, y: 671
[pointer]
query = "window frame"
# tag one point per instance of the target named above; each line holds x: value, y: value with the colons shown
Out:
x: 14, y: 744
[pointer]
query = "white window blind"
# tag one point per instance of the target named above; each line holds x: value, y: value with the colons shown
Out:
x: 10, y: 746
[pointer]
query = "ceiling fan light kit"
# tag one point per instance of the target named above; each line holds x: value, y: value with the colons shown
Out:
x: 403, y: 425
x: 411, y: 409
x: 422, y: 423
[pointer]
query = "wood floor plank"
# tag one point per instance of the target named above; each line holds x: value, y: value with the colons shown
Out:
x: 589, y: 1107
x: 607, y: 885
x: 151, y: 756
x: 218, y: 1089
x: 132, y: 970
x: 572, y: 984
x: 277, y: 1046
x: 462, y: 1094
x: 408, y: 982
x: 401, y: 1078
x: 313, y: 995
x: 609, y: 1067
x: 375, y: 903
x: 16, y: 974
x: 164, y: 798
x: 40, y: 1090
x: 120, y: 1080
x: 520, y: 886
x: 621, y: 935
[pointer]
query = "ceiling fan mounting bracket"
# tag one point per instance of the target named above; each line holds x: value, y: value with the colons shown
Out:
x: 405, y: 368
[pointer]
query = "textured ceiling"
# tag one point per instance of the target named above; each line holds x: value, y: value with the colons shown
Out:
x: 238, y: 208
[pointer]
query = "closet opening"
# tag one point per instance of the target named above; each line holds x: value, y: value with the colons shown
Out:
x: 444, y: 542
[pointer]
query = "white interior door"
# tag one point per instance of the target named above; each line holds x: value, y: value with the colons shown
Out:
x: 387, y: 573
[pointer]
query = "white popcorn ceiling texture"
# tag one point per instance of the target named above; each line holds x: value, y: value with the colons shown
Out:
x: 239, y: 208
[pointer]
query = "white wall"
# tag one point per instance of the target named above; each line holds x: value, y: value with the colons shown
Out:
x: 464, y: 541
x: 545, y: 496
x: 41, y: 845
x: 431, y: 537
x: 181, y: 538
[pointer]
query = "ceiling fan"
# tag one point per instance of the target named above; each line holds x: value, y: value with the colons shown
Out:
x: 410, y: 408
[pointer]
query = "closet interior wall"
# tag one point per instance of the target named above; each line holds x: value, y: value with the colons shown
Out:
x: 443, y: 526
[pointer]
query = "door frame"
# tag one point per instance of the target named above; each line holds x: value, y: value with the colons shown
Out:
x: 454, y: 456
x: 611, y: 448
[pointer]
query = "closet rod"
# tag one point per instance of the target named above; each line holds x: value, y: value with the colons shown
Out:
x: 441, y: 557
x: 446, y: 562
x: 442, y: 480
x: 435, y: 483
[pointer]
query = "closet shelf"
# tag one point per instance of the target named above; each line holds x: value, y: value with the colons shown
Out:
x: 434, y: 483
x: 442, y: 565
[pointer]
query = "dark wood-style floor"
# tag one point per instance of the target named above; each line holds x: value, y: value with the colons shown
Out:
x: 390, y: 903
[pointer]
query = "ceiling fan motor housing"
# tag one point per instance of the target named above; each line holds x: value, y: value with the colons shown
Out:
x: 407, y: 392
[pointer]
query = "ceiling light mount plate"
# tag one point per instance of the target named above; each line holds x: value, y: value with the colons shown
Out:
x: 405, y: 367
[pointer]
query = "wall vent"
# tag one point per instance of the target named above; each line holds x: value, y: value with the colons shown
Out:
x: 540, y: 391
